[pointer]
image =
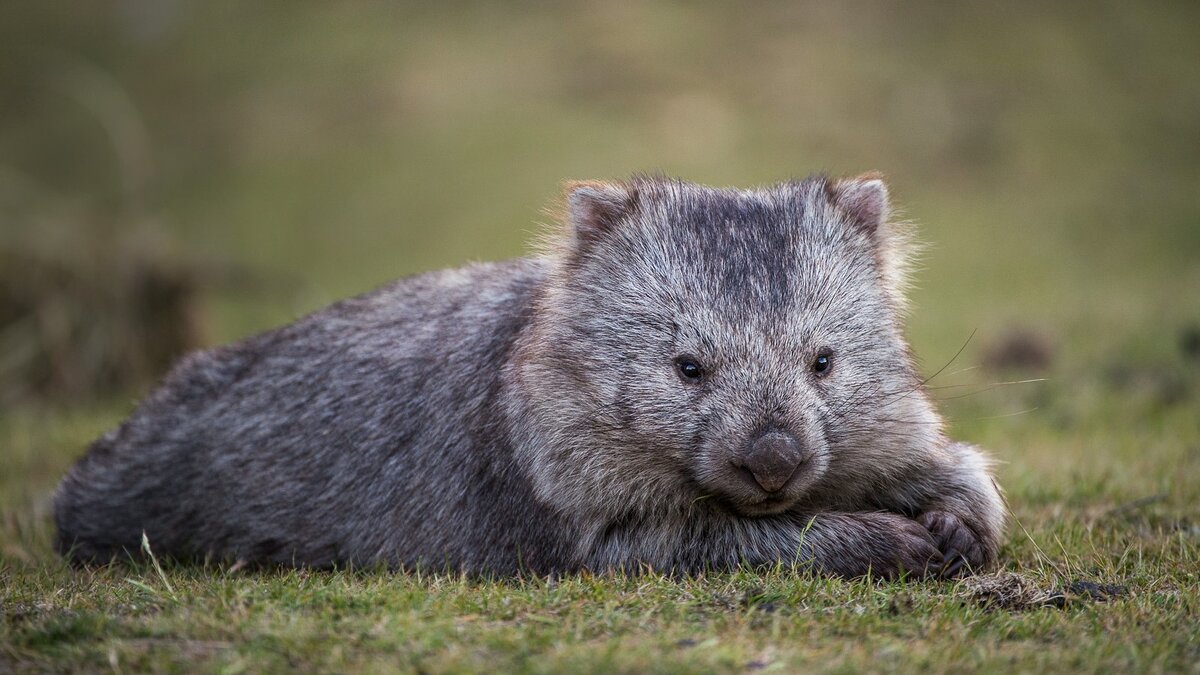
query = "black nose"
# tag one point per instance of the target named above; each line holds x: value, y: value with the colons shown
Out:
x: 772, y: 459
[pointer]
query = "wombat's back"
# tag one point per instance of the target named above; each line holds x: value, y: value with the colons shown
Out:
x: 336, y: 439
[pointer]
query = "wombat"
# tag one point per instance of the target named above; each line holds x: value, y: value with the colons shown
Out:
x: 686, y: 379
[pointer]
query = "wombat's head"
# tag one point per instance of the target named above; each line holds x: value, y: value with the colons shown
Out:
x: 700, y: 346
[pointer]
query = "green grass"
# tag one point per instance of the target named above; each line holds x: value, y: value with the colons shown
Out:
x: 1104, y: 488
x: 1047, y: 152
x: 128, y: 618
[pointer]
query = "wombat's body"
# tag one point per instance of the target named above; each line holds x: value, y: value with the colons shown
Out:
x: 691, y: 379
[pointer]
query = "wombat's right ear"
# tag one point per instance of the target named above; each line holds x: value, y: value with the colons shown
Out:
x: 865, y: 200
x: 596, y: 208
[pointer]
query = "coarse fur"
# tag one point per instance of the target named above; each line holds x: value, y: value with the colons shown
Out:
x: 688, y: 378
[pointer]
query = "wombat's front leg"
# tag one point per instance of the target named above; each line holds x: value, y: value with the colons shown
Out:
x: 845, y: 544
x: 955, y: 498
x: 879, y: 544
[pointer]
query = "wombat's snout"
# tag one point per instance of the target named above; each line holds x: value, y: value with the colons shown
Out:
x: 772, y: 458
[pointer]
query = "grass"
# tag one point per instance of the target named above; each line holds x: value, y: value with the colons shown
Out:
x: 1047, y: 151
x: 220, y: 619
x: 1104, y: 489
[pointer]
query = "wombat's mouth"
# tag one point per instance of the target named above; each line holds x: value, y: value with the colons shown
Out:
x: 772, y: 505
x: 737, y: 492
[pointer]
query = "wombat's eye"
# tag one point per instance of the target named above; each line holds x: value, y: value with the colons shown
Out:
x: 821, y: 364
x: 689, y: 369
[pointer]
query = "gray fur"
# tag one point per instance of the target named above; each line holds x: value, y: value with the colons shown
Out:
x: 531, y: 416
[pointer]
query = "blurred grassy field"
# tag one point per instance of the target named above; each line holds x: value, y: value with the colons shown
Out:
x: 1049, y: 154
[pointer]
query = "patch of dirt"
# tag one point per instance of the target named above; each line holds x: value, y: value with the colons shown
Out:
x: 1014, y: 592
x: 1097, y: 592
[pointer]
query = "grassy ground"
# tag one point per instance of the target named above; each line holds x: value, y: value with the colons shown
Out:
x: 1047, y: 152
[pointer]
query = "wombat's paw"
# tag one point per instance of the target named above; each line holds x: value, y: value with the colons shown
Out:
x: 961, y: 550
x: 910, y: 552
x: 890, y: 546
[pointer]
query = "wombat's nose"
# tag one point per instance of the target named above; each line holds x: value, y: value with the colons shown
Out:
x: 772, y: 459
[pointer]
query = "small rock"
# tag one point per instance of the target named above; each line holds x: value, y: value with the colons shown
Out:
x: 1091, y: 590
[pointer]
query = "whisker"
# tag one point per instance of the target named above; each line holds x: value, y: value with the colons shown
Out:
x: 1012, y: 414
x: 893, y: 420
x: 953, y: 358
x: 989, y: 384
x: 988, y: 388
x: 922, y: 383
x: 962, y: 370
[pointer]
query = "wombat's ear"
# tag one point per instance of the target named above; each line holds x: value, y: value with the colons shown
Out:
x: 595, y: 208
x: 864, y: 199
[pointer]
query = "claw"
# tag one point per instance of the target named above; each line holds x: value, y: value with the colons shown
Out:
x: 951, y: 569
x: 955, y: 540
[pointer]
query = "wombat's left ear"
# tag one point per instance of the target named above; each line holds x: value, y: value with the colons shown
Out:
x: 864, y: 199
x: 595, y: 208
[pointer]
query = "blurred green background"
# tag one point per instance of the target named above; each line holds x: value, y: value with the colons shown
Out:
x: 181, y: 173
